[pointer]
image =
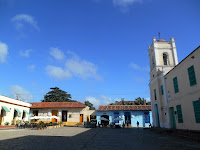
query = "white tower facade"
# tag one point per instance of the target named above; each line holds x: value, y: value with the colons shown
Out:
x: 163, y: 58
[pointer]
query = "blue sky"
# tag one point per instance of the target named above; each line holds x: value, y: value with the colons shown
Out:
x: 95, y: 50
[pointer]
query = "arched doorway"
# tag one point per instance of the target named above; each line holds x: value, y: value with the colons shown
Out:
x: 105, y: 122
x: 157, y: 115
x: 165, y: 59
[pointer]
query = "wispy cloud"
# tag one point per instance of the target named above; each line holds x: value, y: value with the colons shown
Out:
x: 74, y: 66
x: 124, y: 5
x: 22, y: 19
x: 3, y: 52
x: 23, y: 94
x: 100, y: 100
x: 25, y: 53
x: 57, y: 53
x: 31, y: 68
x: 58, y: 73
x: 137, y: 67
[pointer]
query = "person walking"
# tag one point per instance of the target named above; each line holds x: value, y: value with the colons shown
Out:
x: 138, y: 124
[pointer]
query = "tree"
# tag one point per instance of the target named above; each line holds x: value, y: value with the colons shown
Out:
x: 57, y: 95
x: 139, y: 101
x: 87, y: 103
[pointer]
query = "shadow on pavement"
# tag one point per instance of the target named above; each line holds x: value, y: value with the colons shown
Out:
x: 102, y: 139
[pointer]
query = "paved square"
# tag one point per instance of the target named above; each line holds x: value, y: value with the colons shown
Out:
x: 75, y: 138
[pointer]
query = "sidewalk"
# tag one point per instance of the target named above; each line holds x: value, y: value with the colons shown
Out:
x: 188, y: 134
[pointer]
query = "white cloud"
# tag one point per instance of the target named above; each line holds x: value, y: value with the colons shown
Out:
x: 82, y: 69
x: 31, y: 68
x: 96, y: 102
x: 23, y: 94
x: 25, y: 53
x: 137, y: 67
x: 148, y: 99
x: 20, y: 19
x: 74, y: 66
x: 101, y: 100
x: 3, y: 52
x: 58, y: 73
x: 57, y: 53
x: 125, y: 4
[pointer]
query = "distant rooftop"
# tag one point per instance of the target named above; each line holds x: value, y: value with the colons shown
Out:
x: 58, y: 105
x: 124, y: 107
x: 161, y: 40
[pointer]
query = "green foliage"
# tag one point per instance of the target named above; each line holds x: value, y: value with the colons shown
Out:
x: 57, y: 95
x: 6, y: 123
x: 18, y: 121
x: 41, y: 123
x: 50, y: 123
x: 87, y: 103
x: 13, y: 122
x: 0, y: 121
x: 139, y: 101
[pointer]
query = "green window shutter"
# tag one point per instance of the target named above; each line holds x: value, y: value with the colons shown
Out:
x: 196, y: 105
x: 155, y: 94
x: 179, y: 114
x: 192, y: 77
x: 176, y: 89
x: 162, y: 92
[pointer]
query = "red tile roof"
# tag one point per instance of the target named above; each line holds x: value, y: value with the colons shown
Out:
x: 124, y: 107
x: 58, y: 105
x: 161, y: 40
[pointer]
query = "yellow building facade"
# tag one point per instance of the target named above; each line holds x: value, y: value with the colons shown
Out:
x: 174, y: 87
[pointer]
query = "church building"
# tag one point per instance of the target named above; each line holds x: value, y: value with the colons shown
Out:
x: 174, y: 87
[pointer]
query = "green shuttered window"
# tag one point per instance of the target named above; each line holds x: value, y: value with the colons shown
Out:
x: 155, y: 94
x: 196, y: 105
x: 175, y: 80
x: 179, y: 114
x: 162, y: 92
x: 192, y: 77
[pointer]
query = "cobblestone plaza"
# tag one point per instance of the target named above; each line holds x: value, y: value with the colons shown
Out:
x: 77, y: 138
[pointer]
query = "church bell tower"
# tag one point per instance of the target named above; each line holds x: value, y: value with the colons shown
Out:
x: 162, y: 56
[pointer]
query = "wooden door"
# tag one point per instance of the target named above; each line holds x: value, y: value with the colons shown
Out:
x: 64, y: 116
x: 81, y: 117
x: 54, y: 113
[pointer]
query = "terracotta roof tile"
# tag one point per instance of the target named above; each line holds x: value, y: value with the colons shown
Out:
x: 58, y: 105
x: 124, y: 107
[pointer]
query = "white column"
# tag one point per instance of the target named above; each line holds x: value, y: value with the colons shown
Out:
x: 174, y: 51
x: 166, y: 101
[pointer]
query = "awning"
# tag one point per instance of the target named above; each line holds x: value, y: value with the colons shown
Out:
x: 5, y: 108
x: 18, y: 110
x: 26, y: 112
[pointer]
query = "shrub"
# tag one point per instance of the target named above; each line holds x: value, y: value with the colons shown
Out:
x: 6, y: 123
x: 50, y: 123
x: 41, y: 123
x: 13, y: 122
x: 18, y: 121
x: 0, y: 121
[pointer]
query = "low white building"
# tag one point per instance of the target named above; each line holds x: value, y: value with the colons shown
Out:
x: 12, y: 110
x: 70, y: 113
